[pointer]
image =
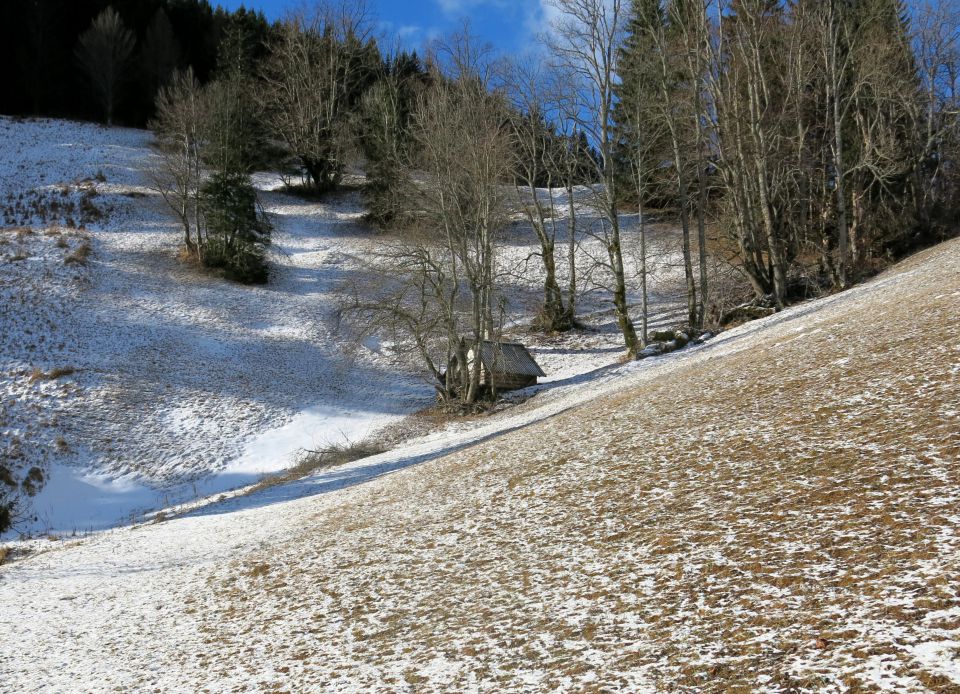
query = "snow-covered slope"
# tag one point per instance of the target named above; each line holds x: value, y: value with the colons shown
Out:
x: 133, y: 382
x: 174, y: 377
x: 776, y: 510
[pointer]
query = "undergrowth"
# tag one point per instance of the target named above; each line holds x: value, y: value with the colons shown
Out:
x: 310, y: 461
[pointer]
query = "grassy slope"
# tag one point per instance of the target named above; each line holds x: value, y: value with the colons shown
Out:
x: 778, y: 510
x: 785, y: 515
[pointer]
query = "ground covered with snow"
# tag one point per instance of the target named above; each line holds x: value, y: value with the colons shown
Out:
x: 775, y: 510
x: 172, y: 383
x: 133, y: 383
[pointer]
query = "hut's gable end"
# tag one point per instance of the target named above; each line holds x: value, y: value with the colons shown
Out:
x: 506, y: 365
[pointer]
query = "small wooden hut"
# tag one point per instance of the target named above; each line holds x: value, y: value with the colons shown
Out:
x: 504, y: 365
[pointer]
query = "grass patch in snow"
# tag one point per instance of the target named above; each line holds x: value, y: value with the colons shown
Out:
x: 310, y: 461
x: 52, y: 375
x: 80, y: 255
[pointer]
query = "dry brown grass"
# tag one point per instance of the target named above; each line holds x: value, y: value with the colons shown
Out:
x: 80, y: 255
x: 309, y: 462
x: 776, y: 511
x: 52, y: 375
x: 259, y: 570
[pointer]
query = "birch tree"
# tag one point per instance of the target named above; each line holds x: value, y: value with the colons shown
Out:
x: 537, y: 166
x: 643, y: 135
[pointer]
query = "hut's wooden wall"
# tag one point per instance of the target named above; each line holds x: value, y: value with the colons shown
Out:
x: 504, y: 381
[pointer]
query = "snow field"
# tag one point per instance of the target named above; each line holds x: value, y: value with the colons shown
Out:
x: 181, y: 385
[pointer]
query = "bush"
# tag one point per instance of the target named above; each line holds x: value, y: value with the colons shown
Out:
x: 7, y: 507
x: 661, y: 335
x: 245, y: 263
x: 9, y: 499
x: 237, y: 231
x: 33, y: 482
x: 309, y: 462
x: 79, y: 256
x: 381, y: 197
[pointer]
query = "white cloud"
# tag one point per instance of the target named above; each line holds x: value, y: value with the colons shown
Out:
x: 458, y: 8
x: 540, y: 18
x: 409, y: 31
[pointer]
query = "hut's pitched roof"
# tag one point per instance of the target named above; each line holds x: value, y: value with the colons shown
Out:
x: 509, y: 357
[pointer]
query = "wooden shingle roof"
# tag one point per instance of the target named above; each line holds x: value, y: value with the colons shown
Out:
x: 509, y: 357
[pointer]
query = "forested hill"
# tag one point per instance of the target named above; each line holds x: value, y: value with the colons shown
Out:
x: 38, y: 41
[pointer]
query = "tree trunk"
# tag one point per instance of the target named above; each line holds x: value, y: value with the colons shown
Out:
x: 553, y: 316
x: 572, y: 259
x: 621, y: 307
x: 644, y: 305
x: 838, y: 163
x: 701, y: 232
x: 683, y: 196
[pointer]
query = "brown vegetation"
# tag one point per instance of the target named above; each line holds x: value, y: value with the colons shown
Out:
x: 784, y: 524
x: 52, y: 375
x: 309, y: 462
x: 80, y: 254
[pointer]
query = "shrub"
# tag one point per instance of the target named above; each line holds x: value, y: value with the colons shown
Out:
x: 89, y: 212
x: 240, y: 262
x: 80, y: 255
x: 52, y: 375
x: 237, y: 231
x: 9, y: 499
x: 33, y: 482
x: 310, y: 461
x: 380, y: 196
x: 7, y: 509
x: 662, y: 336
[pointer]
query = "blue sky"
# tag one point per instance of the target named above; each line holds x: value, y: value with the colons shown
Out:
x: 510, y: 25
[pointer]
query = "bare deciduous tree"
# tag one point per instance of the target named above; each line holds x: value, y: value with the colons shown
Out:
x: 937, y: 46
x: 584, y: 45
x: 313, y: 68
x: 177, y: 172
x: 746, y: 86
x: 538, y: 155
x: 440, y: 291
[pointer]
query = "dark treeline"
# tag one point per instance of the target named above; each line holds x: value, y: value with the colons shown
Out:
x: 39, y: 41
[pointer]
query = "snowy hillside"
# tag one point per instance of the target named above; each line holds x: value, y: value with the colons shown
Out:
x: 776, y: 510
x: 174, y: 377
x: 132, y: 382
